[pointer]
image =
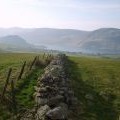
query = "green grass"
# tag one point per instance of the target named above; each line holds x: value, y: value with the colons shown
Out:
x: 25, y: 91
x: 14, y: 60
x: 24, y: 87
x: 24, y: 94
x: 96, y: 82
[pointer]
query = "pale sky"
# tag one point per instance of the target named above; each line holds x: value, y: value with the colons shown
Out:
x: 73, y: 14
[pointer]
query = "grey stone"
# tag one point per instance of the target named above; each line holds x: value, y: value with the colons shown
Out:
x: 41, y: 101
x: 55, y: 100
x: 57, y: 113
x: 41, y: 112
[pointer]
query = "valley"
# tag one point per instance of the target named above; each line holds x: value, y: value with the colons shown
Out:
x: 100, y: 41
x: 95, y: 81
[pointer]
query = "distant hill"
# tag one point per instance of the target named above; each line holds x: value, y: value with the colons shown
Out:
x: 60, y: 39
x: 104, y: 40
x: 14, y: 40
x: 14, y: 43
x: 2, y: 51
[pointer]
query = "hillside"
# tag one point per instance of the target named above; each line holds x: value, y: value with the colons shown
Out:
x: 16, y: 43
x: 14, y: 40
x: 104, y: 40
x: 59, y: 39
x: 2, y: 51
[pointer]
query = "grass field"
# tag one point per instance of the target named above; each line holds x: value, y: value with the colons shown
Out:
x: 14, y: 60
x: 24, y: 87
x: 96, y: 82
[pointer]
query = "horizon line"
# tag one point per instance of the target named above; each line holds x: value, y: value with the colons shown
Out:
x: 16, y: 27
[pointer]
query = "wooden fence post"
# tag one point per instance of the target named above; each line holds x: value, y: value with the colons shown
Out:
x: 33, y: 63
x: 7, y: 81
x: 13, y: 96
x: 43, y: 55
x: 37, y: 61
x: 22, y: 70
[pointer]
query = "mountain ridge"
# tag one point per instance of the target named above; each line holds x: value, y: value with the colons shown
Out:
x: 103, y: 40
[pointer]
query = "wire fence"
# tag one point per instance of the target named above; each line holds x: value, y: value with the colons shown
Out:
x: 7, y: 95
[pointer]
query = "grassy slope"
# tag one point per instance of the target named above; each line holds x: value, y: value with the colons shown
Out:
x: 96, y: 82
x: 25, y: 91
x: 14, y: 60
x: 25, y: 86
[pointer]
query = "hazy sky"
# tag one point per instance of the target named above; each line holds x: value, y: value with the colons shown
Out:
x: 74, y: 14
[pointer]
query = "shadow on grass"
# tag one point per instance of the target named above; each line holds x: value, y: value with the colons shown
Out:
x: 94, y: 106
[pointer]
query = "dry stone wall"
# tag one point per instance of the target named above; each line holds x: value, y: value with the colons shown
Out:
x: 53, y: 95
